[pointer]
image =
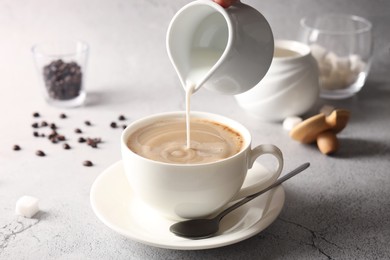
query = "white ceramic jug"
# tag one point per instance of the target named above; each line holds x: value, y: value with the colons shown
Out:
x: 225, y: 50
x: 290, y: 88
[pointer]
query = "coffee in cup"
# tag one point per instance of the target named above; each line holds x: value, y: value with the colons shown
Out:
x: 166, y: 141
x: 180, y: 190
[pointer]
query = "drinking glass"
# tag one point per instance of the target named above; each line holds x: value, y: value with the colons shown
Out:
x: 342, y: 46
x: 61, y: 70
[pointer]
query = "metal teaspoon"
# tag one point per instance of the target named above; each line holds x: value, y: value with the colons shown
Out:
x: 204, y: 228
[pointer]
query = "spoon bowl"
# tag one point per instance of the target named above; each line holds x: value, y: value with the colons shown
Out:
x: 204, y: 228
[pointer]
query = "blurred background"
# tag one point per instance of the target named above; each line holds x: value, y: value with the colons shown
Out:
x: 127, y: 38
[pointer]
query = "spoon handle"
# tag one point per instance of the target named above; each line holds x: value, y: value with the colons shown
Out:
x: 273, y: 185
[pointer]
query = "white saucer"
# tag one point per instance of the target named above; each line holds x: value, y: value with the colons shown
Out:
x: 114, y: 204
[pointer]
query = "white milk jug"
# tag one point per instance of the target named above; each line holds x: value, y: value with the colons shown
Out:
x: 225, y: 50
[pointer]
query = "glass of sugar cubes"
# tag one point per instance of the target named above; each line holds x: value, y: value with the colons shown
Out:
x: 342, y: 46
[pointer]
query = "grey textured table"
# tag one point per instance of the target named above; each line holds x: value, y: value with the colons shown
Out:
x: 338, y: 209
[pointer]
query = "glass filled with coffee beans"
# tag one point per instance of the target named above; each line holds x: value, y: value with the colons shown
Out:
x: 61, y: 68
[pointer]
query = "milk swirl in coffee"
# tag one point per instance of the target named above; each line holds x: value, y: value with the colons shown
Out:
x: 166, y: 141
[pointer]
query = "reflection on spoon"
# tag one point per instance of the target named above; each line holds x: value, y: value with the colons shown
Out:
x: 203, y: 228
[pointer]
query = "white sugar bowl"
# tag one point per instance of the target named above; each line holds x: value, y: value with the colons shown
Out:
x: 290, y: 87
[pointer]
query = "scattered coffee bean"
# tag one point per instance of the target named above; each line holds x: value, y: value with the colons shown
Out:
x: 55, y: 137
x: 81, y: 140
x: 40, y: 153
x: 93, y: 142
x: 87, y: 163
x: 52, y: 135
x: 62, y: 79
x: 90, y: 141
x: 16, y: 147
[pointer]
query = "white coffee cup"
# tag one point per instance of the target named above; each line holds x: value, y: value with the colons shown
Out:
x: 226, y: 50
x: 186, y: 191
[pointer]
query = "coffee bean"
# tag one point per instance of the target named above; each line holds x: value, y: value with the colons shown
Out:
x: 16, y: 147
x: 87, y: 163
x: 66, y: 146
x: 53, y: 135
x: 90, y: 141
x: 44, y: 123
x: 81, y: 140
x: 124, y: 126
x: 93, y: 142
x: 88, y: 123
x: 40, y: 153
x: 35, y: 125
x: 63, y: 116
x: 113, y: 125
x: 78, y: 131
x: 36, y: 114
x: 53, y: 126
x: 122, y: 117
x: 36, y: 134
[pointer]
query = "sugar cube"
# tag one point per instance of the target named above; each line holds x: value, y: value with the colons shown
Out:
x: 332, y: 59
x: 318, y: 52
x: 357, y: 64
x: 290, y: 122
x: 327, y: 109
x: 27, y: 206
x: 344, y: 64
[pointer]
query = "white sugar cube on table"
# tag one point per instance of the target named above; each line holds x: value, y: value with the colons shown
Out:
x: 327, y: 109
x: 27, y: 206
x: 290, y: 122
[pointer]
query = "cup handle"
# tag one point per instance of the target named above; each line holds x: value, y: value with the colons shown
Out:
x: 262, y: 184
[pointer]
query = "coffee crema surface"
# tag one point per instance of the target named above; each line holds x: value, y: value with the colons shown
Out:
x: 165, y: 141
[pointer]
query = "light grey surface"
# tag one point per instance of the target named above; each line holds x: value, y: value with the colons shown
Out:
x: 338, y: 209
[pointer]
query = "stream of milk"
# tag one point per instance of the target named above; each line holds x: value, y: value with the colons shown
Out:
x: 202, y: 61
